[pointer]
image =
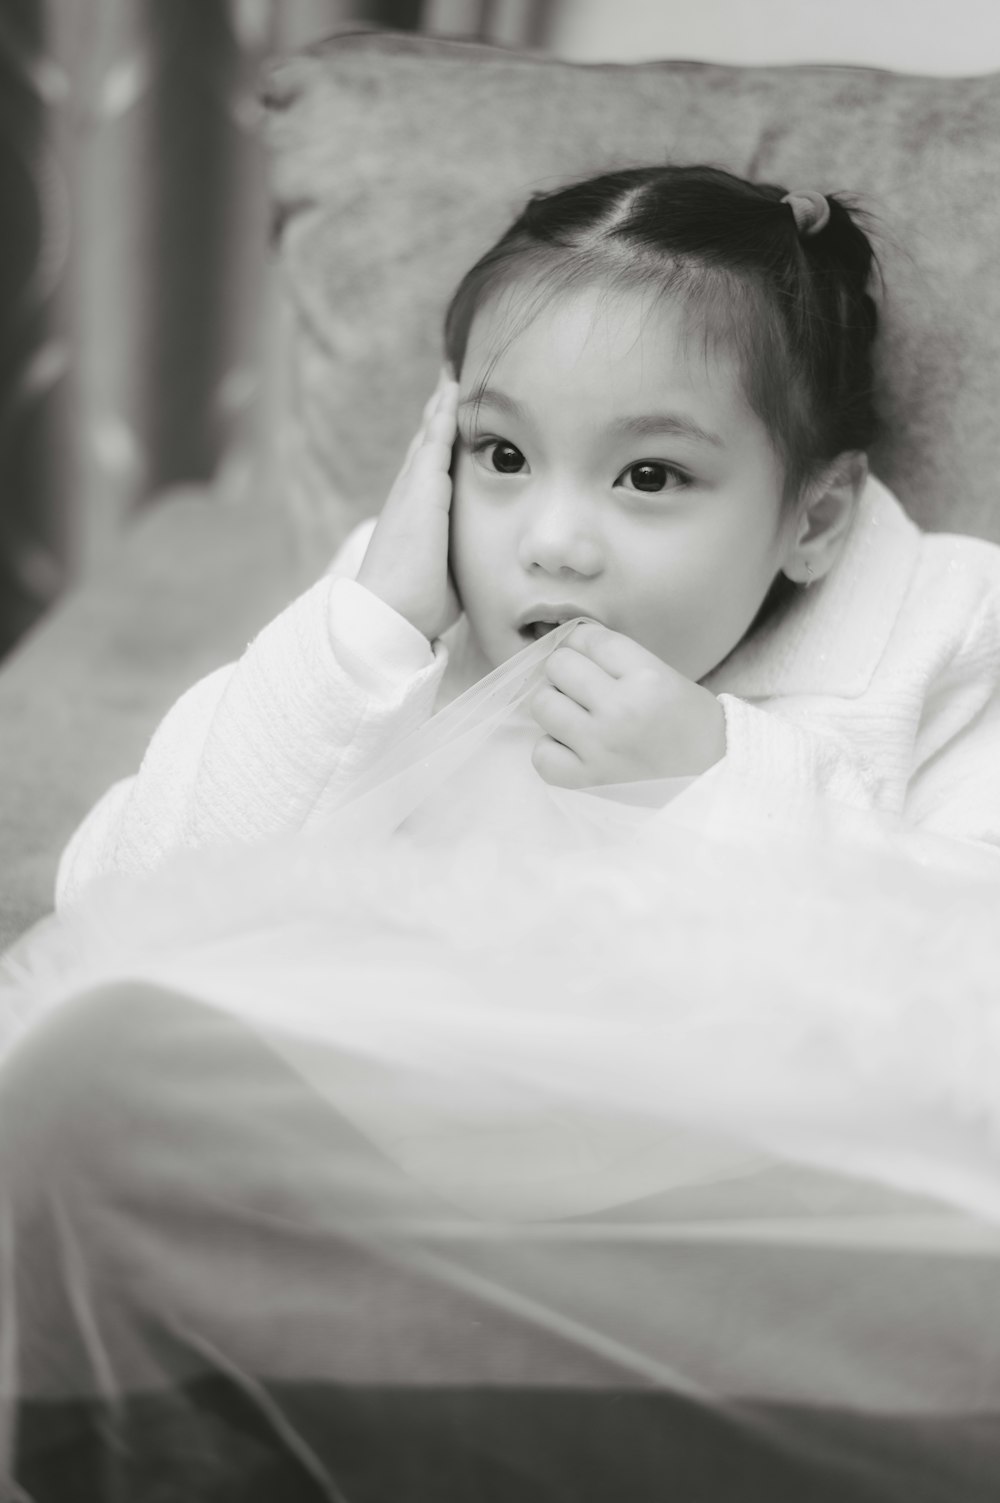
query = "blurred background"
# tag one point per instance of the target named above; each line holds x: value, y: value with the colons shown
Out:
x: 133, y: 263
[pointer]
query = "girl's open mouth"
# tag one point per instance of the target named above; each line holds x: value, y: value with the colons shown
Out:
x: 532, y: 630
x: 551, y: 614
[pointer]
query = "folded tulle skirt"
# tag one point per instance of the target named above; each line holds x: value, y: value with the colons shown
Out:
x: 540, y: 1001
x: 579, y: 1041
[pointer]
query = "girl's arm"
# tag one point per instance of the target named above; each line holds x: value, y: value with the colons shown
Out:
x: 247, y: 752
x: 771, y: 750
x: 322, y: 692
x: 945, y: 780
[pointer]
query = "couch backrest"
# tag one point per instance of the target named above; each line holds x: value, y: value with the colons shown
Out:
x: 397, y: 161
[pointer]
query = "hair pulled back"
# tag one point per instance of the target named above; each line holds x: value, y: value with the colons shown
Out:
x: 794, y: 306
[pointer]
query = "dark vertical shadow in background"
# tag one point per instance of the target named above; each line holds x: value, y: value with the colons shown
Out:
x: 190, y: 239
x: 202, y: 214
x: 33, y: 363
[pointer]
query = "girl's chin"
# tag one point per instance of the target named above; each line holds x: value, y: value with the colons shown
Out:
x: 495, y: 644
x: 491, y: 647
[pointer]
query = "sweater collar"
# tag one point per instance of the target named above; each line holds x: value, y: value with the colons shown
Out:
x: 835, y: 632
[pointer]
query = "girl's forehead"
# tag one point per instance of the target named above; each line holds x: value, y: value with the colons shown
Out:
x: 624, y: 339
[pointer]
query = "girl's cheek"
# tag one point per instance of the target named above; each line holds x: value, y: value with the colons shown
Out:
x: 462, y: 480
x: 465, y: 526
x: 472, y: 515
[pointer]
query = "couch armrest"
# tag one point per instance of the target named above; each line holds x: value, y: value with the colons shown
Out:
x: 187, y: 587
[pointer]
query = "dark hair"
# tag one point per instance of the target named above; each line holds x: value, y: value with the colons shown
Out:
x: 794, y: 306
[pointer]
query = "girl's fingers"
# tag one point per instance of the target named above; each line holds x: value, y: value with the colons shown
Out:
x: 426, y: 416
x: 415, y: 443
x: 432, y: 459
x: 577, y: 676
x: 437, y: 431
x: 609, y: 650
x: 434, y: 398
x: 558, y: 765
x: 442, y: 425
x: 437, y: 437
x: 438, y: 420
x: 562, y: 718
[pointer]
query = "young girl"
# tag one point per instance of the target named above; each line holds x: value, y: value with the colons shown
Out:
x: 664, y: 403
x: 680, y: 906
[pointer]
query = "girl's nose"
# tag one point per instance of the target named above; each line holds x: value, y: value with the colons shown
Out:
x: 559, y: 537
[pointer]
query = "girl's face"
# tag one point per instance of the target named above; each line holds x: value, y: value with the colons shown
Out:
x: 612, y: 469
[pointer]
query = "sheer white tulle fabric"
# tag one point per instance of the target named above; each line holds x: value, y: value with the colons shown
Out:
x: 689, y: 1014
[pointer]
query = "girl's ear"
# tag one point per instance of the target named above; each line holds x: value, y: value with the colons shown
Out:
x: 824, y: 518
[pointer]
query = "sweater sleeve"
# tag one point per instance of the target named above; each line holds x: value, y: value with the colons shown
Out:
x: 765, y: 748
x: 955, y: 786
x: 957, y: 793
x: 952, y: 785
x: 322, y: 691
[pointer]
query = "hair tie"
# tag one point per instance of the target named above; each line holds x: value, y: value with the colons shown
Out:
x: 811, y: 210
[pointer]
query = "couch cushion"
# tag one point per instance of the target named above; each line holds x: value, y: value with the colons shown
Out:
x: 184, y: 591
x: 397, y: 161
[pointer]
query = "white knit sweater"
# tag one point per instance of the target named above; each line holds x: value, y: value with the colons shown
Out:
x: 879, y: 687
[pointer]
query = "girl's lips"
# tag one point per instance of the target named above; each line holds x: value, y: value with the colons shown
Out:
x: 542, y: 619
x: 548, y: 616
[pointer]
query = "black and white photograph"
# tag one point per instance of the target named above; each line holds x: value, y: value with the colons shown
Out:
x: 499, y: 751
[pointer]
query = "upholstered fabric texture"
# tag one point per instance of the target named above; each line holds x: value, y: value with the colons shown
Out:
x: 79, y: 699
x: 398, y: 161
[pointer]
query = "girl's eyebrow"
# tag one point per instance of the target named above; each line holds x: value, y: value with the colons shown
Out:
x: 666, y: 422
x: 645, y: 426
x: 489, y: 396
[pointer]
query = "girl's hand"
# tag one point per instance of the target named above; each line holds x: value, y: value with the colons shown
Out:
x: 615, y: 713
x: 406, y: 564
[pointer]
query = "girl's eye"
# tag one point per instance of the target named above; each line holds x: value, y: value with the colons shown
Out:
x: 651, y: 475
x: 498, y: 455
x: 505, y: 458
